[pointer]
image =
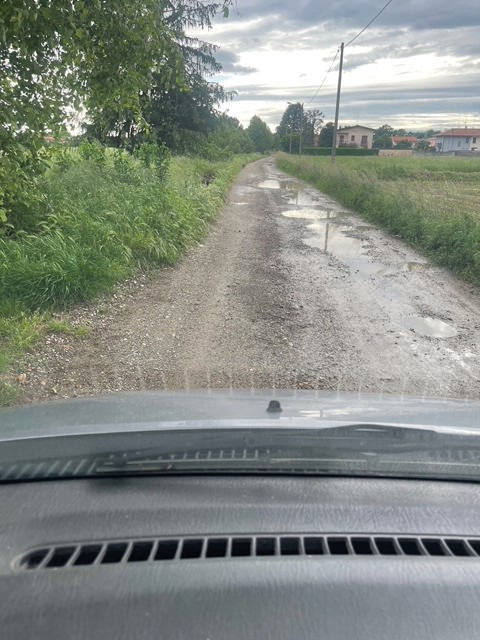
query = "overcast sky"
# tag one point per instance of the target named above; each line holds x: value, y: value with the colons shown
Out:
x: 417, y: 66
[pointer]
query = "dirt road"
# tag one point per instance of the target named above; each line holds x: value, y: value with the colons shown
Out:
x: 288, y: 290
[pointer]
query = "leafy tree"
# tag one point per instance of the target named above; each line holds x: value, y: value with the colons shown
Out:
x: 403, y: 144
x: 289, y: 128
x: 312, y: 125
x: 99, y: 55
x: 229, y: 137
x: 260, y: 135
x: 382, y: 137
x: 326, y: 135
x: 172, y: 115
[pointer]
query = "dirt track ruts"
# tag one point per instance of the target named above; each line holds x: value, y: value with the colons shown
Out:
x: 288, y: 290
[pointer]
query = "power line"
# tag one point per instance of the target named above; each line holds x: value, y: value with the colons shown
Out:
x: 371, y: 22
x: 324, y: 80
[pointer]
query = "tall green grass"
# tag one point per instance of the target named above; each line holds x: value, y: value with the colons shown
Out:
x: 103, y: 221
x: 389, y: 193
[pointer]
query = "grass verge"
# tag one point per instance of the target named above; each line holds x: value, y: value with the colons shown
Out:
x: 100, y: 223
x: 432, y: 203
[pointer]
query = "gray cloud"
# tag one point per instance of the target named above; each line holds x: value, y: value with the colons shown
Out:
x: 230, y: 62
x: 413, y: 14
x: 407, y: 28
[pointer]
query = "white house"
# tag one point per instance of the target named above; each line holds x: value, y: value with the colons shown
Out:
x: 458, y: 140
x: 358, y: 135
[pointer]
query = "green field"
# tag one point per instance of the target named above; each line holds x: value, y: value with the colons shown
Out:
x: 432, y: 203
x: 100, y: 218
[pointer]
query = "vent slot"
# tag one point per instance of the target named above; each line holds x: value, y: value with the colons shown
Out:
x: 166, y: 550
x: 206, y: 548
x: 314, y: 546
x: 458, y: 547
x: 435, y: 547
x: 362, y: 546
x: 410, y: 546
x: 115, y: 553
x: 241, y: 547
x: 338, y: 546
x: 88, y: 554
x: 387, y: 547
x: 140, y: 551
x: 34, y: 559
x: 60, y: 557
x: 265, y: 547
x: 191, y: 549
x: 217, y: 548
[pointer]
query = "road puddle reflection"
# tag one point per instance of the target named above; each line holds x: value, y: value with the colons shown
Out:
x: 270, y: 183
x: 308, y: 213
x: 334, y: 238
x: 431, y: 327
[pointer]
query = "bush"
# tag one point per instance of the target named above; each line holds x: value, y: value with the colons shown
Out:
x: 154, y: 156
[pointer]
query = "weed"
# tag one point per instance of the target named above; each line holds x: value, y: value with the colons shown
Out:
x: 7, y: 394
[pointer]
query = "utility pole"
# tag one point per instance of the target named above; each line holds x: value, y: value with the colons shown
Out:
x: 290, y: 140
x: 337, y: 108
x: 301, y: 132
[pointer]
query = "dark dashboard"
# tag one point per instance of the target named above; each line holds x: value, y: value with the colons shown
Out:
x: 292, y: 558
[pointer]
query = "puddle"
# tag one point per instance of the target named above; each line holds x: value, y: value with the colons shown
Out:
x: 331, y: 238
x: 431, y: 327
x: 309, y: 214
x: 301, y: 199
x: 269, y: 184
x: 240, y: 203
x: 418, y: 266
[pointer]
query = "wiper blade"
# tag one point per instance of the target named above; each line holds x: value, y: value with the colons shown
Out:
x: 357, y: 443
x: 284, y: 446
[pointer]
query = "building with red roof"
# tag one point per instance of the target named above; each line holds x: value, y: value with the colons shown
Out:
x: 458, y: 140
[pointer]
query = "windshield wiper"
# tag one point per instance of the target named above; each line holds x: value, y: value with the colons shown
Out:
x: 358, y: 444
x: 317, y: 448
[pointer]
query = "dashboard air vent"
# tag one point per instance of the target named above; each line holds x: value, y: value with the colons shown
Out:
x: 201, y: 548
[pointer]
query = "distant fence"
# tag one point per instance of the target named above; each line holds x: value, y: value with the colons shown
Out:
x: 341, y: 151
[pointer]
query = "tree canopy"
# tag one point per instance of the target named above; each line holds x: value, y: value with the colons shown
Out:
x: 260, y: 135
x: 296, y: 120
x: 326, y: 135
x: 99, y: 56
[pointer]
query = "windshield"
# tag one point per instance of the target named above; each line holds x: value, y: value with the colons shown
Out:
x: 271, y: 198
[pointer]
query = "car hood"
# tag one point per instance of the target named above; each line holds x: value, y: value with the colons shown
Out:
x: 127, y: 411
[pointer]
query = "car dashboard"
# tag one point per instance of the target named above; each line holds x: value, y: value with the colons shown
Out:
x: 227, y: 557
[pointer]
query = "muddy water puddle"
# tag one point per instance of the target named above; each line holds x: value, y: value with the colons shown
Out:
x: 309, y: 213
x: 430, y: 327
x: 270, y: 183
x: 336, y: 240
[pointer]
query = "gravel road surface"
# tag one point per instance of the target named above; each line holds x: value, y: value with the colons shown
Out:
x: 288, y: 290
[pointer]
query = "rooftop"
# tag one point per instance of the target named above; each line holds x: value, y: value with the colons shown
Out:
x: 459, y: 133
x: 356, y: 126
